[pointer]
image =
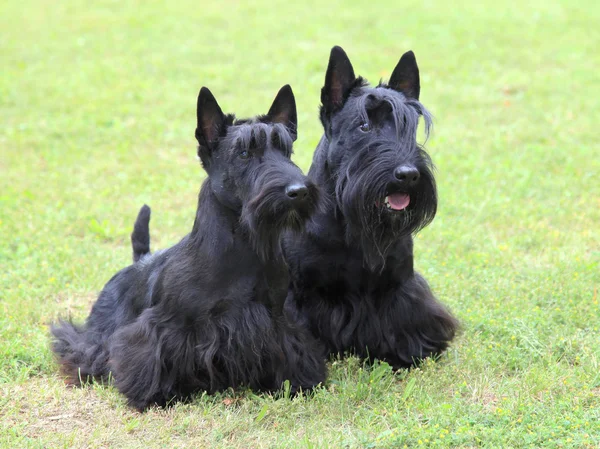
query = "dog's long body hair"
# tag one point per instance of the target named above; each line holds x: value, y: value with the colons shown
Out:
x: 353, y: 280
x: 207, y: 314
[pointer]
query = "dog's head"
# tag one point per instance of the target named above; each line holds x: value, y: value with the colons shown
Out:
x: 249, y: 166
x: 381, y: 178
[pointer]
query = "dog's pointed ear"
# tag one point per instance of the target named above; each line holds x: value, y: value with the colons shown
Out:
x: 283, y: 110
x: 338, y: 80
x: 210, y: 120
x: 405, y: 77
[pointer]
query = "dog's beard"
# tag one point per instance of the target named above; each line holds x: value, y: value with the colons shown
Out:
x: 375, y: 217
x: 270, y: 214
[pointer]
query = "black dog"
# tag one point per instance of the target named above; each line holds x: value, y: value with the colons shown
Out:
x: 207, y: 313
x: 352, y: 271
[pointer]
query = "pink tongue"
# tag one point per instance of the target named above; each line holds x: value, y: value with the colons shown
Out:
x: 398, y: 201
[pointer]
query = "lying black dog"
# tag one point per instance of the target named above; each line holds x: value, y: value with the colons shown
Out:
x: 352, y: 271
x: 207, y: 313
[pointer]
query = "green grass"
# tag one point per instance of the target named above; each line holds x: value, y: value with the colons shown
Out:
x: 97, y: 105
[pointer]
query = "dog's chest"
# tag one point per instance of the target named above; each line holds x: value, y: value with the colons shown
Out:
x: 338, y: 271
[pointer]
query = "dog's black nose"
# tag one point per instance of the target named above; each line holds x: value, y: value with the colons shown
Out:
x: 407, y: 174
x: 296, y: 191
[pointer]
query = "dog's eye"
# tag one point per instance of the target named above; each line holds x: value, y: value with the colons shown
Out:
x: 365, y: 127
x: 244, y: 154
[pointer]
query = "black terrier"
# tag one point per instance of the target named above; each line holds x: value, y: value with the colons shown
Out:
x: 352, y: 270
x: 208, y: 313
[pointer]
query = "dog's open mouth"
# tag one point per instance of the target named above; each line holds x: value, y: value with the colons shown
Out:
x: 396, y: 201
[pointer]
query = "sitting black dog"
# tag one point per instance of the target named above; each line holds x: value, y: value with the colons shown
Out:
x: 207, y: 314
x: 352, y: 271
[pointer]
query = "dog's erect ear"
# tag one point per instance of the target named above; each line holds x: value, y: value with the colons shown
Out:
x: 338, y: 80
x: 405, y: 77
x: 211, y: 120
x: 283, y: 110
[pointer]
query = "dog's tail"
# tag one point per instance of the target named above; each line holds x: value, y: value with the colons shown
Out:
x: 140, y: 237
x: 80, y: 359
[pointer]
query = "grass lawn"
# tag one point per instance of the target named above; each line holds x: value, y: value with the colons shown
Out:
x: 97, y: 105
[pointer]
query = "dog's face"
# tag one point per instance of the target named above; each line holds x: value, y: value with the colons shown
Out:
x: 249, y: 165
x: 384, y: 184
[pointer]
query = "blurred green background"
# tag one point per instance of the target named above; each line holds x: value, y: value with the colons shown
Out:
x: 97, y: 106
